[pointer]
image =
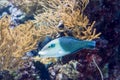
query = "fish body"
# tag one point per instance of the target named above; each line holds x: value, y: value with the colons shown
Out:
x: 63, y: 46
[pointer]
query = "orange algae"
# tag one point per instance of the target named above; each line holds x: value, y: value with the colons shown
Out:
x: 15, y: 42
x: 24, y: 37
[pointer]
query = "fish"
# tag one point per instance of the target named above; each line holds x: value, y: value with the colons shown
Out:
x: 62, y: 46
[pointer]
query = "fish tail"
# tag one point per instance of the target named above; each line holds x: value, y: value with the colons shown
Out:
x: 91, y: 44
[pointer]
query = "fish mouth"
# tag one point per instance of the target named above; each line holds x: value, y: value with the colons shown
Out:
x: 41, y: 53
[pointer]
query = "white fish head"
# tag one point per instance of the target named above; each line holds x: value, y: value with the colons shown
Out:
x: 52, y: 49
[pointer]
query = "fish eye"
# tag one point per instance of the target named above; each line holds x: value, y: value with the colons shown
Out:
x: 51, y: 46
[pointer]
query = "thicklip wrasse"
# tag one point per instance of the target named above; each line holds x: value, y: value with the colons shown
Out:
x: 65, y: 45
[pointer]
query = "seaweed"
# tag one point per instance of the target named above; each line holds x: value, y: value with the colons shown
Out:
x: 70, y: 14
x: 15, y: 42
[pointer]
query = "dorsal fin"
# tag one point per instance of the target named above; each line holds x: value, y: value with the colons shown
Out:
x: 70, y: 37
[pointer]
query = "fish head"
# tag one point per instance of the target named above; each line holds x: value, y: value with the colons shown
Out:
x: 50, y: 49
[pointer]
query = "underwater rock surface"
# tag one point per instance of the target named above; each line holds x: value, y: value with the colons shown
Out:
x: 17, y: 16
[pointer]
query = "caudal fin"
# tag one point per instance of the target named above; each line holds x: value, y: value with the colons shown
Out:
x: 91, y: 44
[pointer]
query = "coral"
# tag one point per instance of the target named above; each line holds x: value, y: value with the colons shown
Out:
x: 45, y: 60
x: 107, y: 16
x: 15, y: 42
x: 70, y: 13
x: 74, y: 20
x: 64, y: 71
x: 27, y: 6
x: 30, y: 71
x: 3, y: 3
x: 24, y: 37
x: 31, y: 7
x: 5, y: 75
x: 27, y: 72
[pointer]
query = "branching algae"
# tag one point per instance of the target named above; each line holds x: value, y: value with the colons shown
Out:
x: 15, y: 42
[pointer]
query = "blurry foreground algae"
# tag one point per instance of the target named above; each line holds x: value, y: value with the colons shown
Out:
x: 24, y: 37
